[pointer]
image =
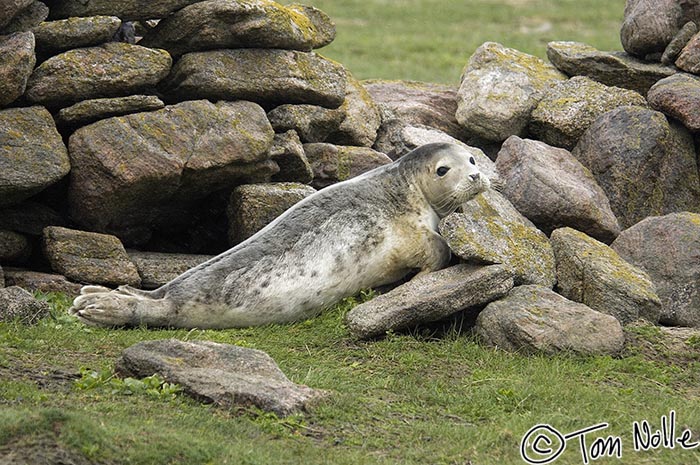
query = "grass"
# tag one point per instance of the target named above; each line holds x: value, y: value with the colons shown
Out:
x: 432, y: 40
x: 409, y: 398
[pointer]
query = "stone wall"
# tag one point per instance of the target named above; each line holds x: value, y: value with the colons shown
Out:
x: 139, y: 124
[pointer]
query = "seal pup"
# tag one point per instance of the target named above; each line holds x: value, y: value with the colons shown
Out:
x: 365, y: 232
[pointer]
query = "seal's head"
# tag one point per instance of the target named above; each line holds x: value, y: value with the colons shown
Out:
x: 446, y: 174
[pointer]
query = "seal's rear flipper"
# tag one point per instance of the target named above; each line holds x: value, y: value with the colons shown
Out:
x: 125, y: 306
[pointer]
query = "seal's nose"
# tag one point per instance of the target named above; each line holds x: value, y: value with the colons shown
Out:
x: 474, y: 176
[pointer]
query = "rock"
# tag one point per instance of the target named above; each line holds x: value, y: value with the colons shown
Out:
x: 499, y: 89
x: 16, y: 304
x: 128, y: 10
x: 14, y: 247
x: 678, y: 96
x: 53, y: 37
x: 322, y: 23
x: 32, y: 154
x: 678, y: 43
x: 156, y: 269
x: 288, y: 152
x: 592, y: 273
x: 408, y: 138
x: 89, y: 111
x: 355, y: 122
x: 34, y: 281
x: 689, y: 58
x: 219, y: 24
x: 616, y: 69
x: 10, y: 8
x: 564, y: 114
x: 482, y: 234
x: 29, y: 218
x: 2, y: 278
x: 533, y: 319
x: 224, y: 375
x: 254, y: 206
x: 335, y: 163
x: 414, y: 103
x: 553, y: 189
x: 645, y: 166
x: 89, y: 257
x: 260, y: 75
x: 429, y: 297
x: 649, y: 25
x: 137, y: 172
x: 668, y: 248
x: 17, y: 62
x: 110, y: 70
x: 28, y: 18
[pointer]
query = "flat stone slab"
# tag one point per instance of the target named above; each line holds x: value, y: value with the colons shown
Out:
x: 224, y: 375
x: 259, y: 75
x: 616, y: 69
x: 57, y: 36
x: 18, y: 304
x: 89, y: 257
x: 157, y: 268
x: 533, y: 319
x: 44, y: 282
x: 89, y: 111
x: 430, y: 297
x: 220, y: 24
x: 114, y: 69
x: 128, y: 10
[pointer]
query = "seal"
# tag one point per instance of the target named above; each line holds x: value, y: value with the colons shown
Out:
x: 365, y: 232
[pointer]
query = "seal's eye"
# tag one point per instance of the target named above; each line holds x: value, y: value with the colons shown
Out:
x: 441, y: 171
x: 471, y: 160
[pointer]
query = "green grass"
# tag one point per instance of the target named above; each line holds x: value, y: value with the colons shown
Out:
x: 432, y: 40
x: 410, y: 398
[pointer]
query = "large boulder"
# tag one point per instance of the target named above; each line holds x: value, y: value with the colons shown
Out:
x: 429, y: 297
x: 534, y: 319
x: 645, y: 165
x: 17, y: 62
x: 592, y: 273
x: 668, y: 248
x: 616, y: 69
x: 335, y: 163
x: 499, y: 89
x: 649, y: 25
x: 132, y: 173
x: 221, y: 374
x: 10, y: 8
x: 28, y: 18
x: 553, y: 189
x: 260, y: 75
x: 16, y: 304
x: 128, y: 10
x: 32, y: 154
x: 219, y: 24
x: 689, y: 57
x: 413, y: 103
x: 156, y: 269
x: 570, y: 107
x: 114, y: 69
x: 355, y: 122
x: 53, y: 37
x: 254, y: 206
x: 89, y: 257
x: 490, y: 230
x: 678, y: 96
